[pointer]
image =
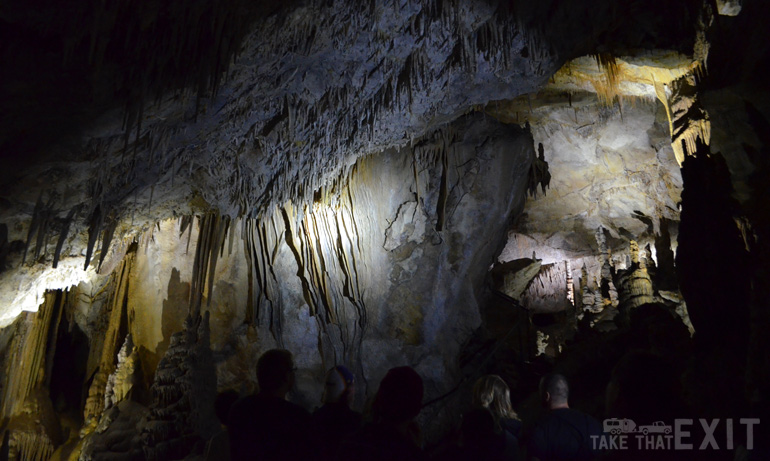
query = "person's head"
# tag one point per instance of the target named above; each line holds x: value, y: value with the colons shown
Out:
x: 275, y: 372
x: 492, y: 393
x: 339, y: 386
x: 399, y: 398
x: 554, y: 391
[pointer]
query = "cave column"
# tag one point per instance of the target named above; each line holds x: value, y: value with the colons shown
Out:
x: 712, y: 261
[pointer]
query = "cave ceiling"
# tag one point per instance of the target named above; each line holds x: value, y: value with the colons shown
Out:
x: 466, y: 187
x: 117, y: 118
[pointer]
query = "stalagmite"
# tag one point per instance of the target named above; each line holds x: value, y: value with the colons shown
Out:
x: 181, y: 415
x: 634, y: 284
x: 606, y: 286
x: 121, y: 381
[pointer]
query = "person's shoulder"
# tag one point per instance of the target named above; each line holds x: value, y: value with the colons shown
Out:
x: 584, y: 416
x: 535, y: 437
x: 245, y: 400
x: 242, y: 406
x: 295, y: 410
x: 513, y: 426
x: 546, y: 419
x: 585, y: 420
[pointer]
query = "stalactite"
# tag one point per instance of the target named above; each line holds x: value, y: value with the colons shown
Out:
x: 24, y: 388
x: 547, y: 292
x: 28, y: 371
x: 94, y: 230
x: 690, y: 122
x: 539, y: 174
x: 117, y: 305
x: 570, y: 284
x: 213, y: 229
x: 607, y: 89
x: 30, y: 446
x: 63, y: 234
x: 660, y: 93
x: 442, y: 197
x: 107, y: 236
x: 33, y: 226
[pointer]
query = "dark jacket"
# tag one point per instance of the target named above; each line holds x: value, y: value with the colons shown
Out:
x: 268, y: 428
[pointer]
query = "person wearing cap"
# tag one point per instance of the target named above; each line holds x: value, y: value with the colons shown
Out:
x: 335, y: 420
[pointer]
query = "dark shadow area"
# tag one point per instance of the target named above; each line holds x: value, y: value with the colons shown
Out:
x: 69, y: 370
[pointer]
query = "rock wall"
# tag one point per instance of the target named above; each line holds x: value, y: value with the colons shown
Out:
x: 386, y: 268
x: 379, y: 273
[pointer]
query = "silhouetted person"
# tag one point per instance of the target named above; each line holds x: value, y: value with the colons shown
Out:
x: 218, y: 448
x: 335, y: 420
x: 563, y: 434
x: 478, y: 439
x: 492, y: 393
x: 393, y: 434
x: 265, y: 426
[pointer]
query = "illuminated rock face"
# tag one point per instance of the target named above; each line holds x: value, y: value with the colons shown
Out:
x: 377, y: 274
x: 609, y: 168
x: 316, y: 86
x: 332, y: 198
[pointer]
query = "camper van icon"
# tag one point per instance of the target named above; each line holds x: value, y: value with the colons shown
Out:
x: 619, y: 426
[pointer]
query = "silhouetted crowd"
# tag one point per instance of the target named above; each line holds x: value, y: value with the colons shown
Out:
x: 266, y: 426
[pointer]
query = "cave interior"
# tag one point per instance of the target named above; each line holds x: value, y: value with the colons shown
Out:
x: 465, y: 187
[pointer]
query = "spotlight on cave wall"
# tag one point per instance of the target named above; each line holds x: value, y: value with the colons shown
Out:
x: 33, y: 282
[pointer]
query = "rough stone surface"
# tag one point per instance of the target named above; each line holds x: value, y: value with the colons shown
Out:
x: 315, y: 86
x: 413, y: 301
x: 364, y: 208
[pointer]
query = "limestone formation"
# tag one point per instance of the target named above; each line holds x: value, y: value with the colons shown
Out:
x: 517, y: 279
x: 27, y: 412
x: 116, y: 308
x: 122, y: 380
x: 690, y: 120
x: 634, y: 283
x: 548, y: 291
x: 606, y: 285
x: 186, y: 186
x: 181, y: 414
x: 538, y: 173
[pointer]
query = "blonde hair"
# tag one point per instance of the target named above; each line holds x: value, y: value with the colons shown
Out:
x: 492, y: 393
